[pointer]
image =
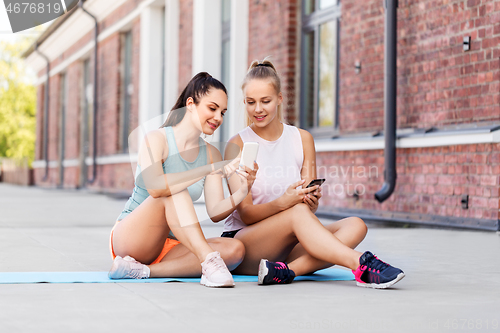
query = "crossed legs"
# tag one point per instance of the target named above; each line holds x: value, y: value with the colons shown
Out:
x: 298, y: 237
x: 143, y: 232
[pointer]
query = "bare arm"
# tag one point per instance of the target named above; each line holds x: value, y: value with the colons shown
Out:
x: 153, y: 151
x: 251, y: 213
x: 219, y: 208
x: 308, y: 171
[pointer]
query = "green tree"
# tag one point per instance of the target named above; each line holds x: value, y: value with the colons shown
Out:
x: 17, y: 103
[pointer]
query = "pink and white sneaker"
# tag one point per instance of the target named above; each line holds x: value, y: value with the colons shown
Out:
x: 128, y: 268
x: 214, y: 272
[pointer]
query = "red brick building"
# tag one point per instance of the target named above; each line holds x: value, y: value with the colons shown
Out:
x: 330, y: 56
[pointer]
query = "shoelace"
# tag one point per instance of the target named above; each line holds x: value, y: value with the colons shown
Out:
x: 136, y: 270
x: 281, y: 272
x: 215, y: 263
x: 376, y: 264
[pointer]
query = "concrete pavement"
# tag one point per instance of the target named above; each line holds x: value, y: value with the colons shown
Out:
x: 452, y: 282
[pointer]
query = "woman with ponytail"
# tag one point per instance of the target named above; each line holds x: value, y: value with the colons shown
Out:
x: 174, y: 165
x: 276, y: 220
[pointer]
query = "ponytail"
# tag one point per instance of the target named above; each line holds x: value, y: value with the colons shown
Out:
x: 198, y: 87
x: 263, y: 70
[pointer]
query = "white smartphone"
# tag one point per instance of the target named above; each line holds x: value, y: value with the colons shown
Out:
x: 249, y: 154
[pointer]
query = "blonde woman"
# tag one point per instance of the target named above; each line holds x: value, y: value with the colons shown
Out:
x: 276, y: 220
x: 174, y: 166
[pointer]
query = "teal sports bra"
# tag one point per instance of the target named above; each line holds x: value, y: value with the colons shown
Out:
x: 173, y: 164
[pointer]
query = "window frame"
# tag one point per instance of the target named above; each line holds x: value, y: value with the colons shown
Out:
x: 125, y: 98
x: 63, y: 107
x: 88, y: 108
x: 311, y: 23
x: 225, y: 38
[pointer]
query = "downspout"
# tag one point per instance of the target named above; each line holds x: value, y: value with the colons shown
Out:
x: 390, y: 96
x: 45, y: 116
x: 94, y: 131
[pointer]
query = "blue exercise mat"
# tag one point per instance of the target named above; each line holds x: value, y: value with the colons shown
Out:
x: 329, y: 274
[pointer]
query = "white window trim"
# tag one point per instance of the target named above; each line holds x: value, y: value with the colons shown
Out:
x: 207, y: 39
x: 150, y: 74
x: 416, y: 141
x: 69, y: 32
x: 323, y: 145
x: 207, y: 52
x: 238, y: 67
x: 102, y: 160
x: 171, y: 53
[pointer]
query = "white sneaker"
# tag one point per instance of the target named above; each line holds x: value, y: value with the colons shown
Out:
x: 128, y: 268
x: 214, y: 272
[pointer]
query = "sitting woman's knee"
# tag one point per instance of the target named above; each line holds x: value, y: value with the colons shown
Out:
x: 360, y: 224
x: 300, y: 208
x: 233, y: 252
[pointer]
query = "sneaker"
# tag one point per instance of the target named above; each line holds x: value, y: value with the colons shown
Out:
x: 374, y: 273
x: 275, y: 272
x: 128, y: 268
x: 214, y: 272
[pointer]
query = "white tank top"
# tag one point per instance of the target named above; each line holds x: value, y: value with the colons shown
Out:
x: 279, y: 163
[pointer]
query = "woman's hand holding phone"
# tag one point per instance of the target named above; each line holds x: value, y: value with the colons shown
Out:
x: 293, y: 196
x: 312, y: 199
x: 248, y: 175
x: 225, y: 168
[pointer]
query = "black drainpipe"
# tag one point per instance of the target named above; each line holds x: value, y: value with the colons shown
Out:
x: 45, y: 116
x: 94, y: 132
x: 390, y: 95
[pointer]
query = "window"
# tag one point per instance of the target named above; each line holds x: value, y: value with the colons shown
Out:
x: 319, y: 66
x: 88, y: 115
x: 62, y: 125
x: 225, y: 61
x: 126, y: 91
x: 41, y: 124
x: 163, y: 59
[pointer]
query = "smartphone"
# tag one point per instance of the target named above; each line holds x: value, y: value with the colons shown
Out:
x: 249, y: 154
x: 316, y: 182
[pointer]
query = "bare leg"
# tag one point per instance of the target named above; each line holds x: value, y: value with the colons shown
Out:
x: 180, y: 262
x: 275, y: 237
x: 350, y: 231
x: 143, y: 232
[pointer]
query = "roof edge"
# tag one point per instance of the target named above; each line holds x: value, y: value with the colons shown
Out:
x: 48, y: 32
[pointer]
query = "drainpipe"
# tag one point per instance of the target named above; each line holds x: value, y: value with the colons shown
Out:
x: 94, y: 131
x: 45, y: 116
x: 390, y: 95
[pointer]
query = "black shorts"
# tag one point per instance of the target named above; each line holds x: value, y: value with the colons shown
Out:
x: 229, y: 234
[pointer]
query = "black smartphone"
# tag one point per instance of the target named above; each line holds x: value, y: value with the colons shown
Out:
x: 316, y: 182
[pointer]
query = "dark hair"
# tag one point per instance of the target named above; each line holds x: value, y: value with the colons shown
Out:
x: 198, y: 87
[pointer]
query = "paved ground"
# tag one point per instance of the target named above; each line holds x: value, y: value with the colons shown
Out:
x: 452, y: 282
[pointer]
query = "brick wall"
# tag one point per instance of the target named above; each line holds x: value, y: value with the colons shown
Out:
x: 438, y: 83
x: 116, y: 177
x: 136, y: 44
x: 108, y: 104
x: 185, y: 43
x: 109, y: 94
x: 40, y: 102
x: 273, y: 32
x: 430, y: 180
x: 73, y: 77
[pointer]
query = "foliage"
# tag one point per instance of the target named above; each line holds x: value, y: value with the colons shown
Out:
x: 17, y: 102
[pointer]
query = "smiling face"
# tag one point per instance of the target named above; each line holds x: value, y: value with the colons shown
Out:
x: 208, y: 114
x: 262, y: 101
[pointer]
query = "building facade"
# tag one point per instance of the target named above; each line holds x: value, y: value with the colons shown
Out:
x: 330, y: 56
